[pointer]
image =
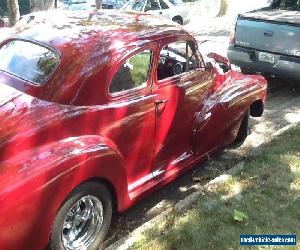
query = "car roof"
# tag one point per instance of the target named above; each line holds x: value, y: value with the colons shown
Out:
x: 90, y: 45
x: 60, y: 28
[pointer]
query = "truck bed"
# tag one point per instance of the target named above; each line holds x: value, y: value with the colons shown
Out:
x: 274, y: 15
x: 269, y: 30
x: 268, y: 40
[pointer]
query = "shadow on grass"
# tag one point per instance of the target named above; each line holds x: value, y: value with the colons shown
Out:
x: 283, y: 99
x: 267, y: 190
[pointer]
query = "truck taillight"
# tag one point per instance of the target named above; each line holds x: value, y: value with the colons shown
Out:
x: 232, y: 32
x: 232, y: 37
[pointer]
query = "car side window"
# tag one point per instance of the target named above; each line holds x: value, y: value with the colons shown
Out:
x: 134, y: 5
x: 178, y: 57
x: 152, y: 5
x: 163, y: 5
x: 134, y: 73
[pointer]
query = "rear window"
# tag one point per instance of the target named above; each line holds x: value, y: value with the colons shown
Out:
x: 28, y: 61
x: 287, y: 4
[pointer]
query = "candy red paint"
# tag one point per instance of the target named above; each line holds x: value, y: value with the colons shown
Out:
x: 70, y: 130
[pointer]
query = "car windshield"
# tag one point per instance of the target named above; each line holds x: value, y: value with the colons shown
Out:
x: 176, y: 2
x: 287, y: 4
x: 77, y: 1
x: 28, y: 61
x: 136, y: 5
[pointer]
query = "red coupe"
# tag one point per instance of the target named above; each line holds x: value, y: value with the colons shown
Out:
x: 99, y: 109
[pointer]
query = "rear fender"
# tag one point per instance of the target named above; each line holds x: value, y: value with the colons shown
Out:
x: 43, y: 178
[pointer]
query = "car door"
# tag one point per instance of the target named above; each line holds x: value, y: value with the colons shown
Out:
x: 167, y: 10
x: 130, y: 117
x: 180, y: 87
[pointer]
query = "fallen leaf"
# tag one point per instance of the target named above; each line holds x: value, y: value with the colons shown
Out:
x: 239, y: 216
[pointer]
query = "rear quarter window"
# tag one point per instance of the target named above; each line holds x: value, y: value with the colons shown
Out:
x: 29, y: 61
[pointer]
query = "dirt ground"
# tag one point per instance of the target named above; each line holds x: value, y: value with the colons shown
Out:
x: 282, y: 108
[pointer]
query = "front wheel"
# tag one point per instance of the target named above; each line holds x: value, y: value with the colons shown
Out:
x: 178, y: 20
x: 84, y: 219
x: 244, y: 129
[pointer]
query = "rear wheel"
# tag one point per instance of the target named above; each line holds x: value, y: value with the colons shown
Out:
x: 84, y: 219
x: 178, y: 20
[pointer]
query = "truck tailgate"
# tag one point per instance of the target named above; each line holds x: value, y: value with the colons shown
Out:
x: 277, y: 33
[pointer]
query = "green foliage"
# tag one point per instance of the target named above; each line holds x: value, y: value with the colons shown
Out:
x: 140, y: 67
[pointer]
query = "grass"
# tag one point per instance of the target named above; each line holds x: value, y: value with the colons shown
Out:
x: 266, y: 191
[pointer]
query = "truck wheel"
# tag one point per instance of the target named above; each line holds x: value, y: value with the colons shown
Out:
x: 247, y: 71
x: 243, y: 130
x: 84, y: 219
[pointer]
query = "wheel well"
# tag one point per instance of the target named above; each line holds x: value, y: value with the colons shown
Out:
x: 257, y: 108
x: 109, y: 187
x: 177, y: 17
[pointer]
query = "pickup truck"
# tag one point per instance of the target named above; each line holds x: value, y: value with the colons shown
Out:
x: 267, y: 40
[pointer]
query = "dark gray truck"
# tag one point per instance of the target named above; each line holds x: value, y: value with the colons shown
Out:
x: 268, y: 40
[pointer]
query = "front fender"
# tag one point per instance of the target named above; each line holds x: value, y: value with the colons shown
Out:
x: 35, y: 183
x: 240, y: 88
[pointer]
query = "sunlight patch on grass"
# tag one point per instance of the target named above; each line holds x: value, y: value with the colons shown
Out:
x: 262, y: 198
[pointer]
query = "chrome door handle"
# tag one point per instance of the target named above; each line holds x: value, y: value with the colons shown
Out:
x: 160, y: 106
x: 158, y: 102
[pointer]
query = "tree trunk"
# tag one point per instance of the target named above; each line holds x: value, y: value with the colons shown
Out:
x: 42, y: 5
x: 32, y: 6
x: 98, y: 4
x: 13, y: 11
x: 223, y: 8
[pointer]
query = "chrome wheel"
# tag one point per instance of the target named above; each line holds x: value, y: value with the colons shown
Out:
x: 82, y: 223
